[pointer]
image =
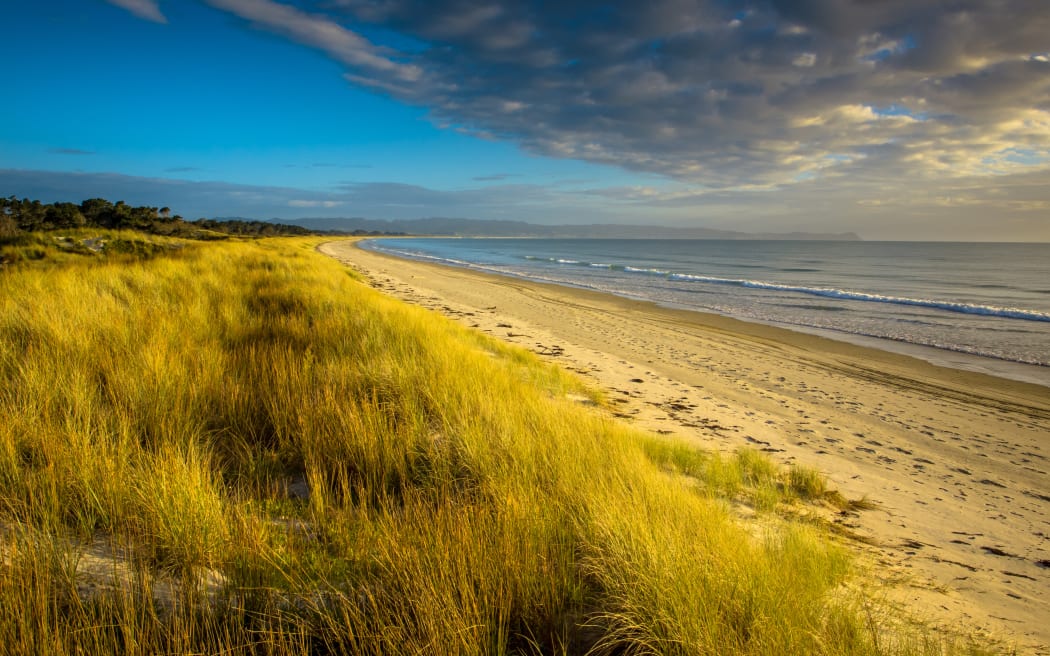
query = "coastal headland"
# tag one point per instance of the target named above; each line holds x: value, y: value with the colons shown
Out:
x: 956, y: 463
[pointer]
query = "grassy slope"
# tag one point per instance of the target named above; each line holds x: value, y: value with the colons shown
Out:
x: 460, y: 502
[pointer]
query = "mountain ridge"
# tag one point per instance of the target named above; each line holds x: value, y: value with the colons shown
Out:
x: 454, y: 227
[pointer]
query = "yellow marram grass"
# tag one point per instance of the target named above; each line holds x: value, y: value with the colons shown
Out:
x: 362, y: 476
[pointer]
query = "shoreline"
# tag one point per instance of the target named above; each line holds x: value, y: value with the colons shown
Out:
x: 991, y: 365
x: 956, y: 461
x: 1021, y: 372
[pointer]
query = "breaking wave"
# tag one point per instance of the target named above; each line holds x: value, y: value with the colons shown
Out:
x: 964, y: 308
x: 826, y: 292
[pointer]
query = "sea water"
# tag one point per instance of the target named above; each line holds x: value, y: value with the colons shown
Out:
x: 974, y: 306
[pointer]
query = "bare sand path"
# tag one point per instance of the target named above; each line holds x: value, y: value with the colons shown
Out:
x: 957, y: 462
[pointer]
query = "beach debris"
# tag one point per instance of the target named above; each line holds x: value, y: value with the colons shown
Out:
x: 988, y: 481
x: 938, y: 559
x: 996, y: 551
x: 553, y: 350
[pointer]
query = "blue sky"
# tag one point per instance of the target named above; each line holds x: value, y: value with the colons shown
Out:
x: 205, y: 97
x: 902, y: 120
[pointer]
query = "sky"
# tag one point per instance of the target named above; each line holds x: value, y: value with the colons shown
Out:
x: 894, y: 119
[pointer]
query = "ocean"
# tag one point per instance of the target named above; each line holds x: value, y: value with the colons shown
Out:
x: 984, y: 307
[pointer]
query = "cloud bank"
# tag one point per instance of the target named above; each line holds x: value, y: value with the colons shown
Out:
x: 978, y: 211
x: 719, y: 93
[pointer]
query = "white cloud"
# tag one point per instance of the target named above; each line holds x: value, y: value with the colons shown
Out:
x: 321, y: 32
x: 298, y: 202
x: 805, y: 60
x: 145, y: 9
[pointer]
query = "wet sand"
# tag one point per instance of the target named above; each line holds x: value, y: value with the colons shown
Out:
x: 957, y: 462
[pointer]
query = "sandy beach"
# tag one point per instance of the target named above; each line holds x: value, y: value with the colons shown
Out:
x: 957, y: 462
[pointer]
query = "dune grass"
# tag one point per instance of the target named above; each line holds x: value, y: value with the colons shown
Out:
x: 277, y: 459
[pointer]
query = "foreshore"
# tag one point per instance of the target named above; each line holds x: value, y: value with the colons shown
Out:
x: 957, y: 462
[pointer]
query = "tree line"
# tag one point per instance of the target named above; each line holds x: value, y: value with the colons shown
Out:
x: 20, y: 216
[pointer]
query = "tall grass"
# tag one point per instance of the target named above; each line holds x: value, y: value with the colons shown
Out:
x: 361, y: 476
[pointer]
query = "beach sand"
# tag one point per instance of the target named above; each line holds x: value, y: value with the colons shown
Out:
x: 957, y: 462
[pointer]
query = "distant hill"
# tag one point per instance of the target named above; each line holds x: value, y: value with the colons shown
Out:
x: 481, y: 228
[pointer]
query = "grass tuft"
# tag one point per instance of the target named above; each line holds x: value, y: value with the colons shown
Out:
x: 807, y: 482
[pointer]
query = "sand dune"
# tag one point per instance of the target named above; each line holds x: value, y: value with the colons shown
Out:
x: 957, y: 461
